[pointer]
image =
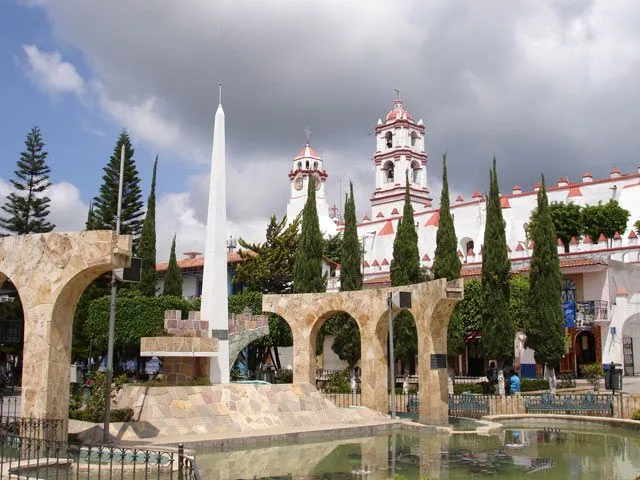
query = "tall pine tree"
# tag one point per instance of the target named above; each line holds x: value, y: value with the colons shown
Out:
x: 28, y: 206
x: 147, y: 245
x: 446, y: 263
x: 405, y: 264
x: 498, y: 331
x: 173, y: 276
x: 307, y: 271
x: 351, y: 261
x: 545, y: 326
x: 106, y: 202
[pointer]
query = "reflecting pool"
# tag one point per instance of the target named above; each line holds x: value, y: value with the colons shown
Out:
x: 556, y: 453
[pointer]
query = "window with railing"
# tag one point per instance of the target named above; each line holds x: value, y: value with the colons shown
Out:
x: 589, y: 312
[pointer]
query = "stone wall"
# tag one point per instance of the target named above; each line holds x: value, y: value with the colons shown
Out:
x: 180, y: 370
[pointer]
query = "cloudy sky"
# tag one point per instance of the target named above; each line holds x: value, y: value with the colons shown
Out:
x: 545, y: 85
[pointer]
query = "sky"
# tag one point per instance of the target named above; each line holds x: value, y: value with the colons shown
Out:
x: 545, y: 86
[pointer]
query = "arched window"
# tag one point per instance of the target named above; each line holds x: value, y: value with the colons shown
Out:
x: 414, y: 139
x: 299, y: 165
x: 307, y: 165
x: 315, y: 165
x: 389, y: 139
x: 415, y: 172
x: 569, y: 291
x: 469, y: 246
x: 388, y: 172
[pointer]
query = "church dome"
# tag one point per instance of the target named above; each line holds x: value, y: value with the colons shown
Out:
x: 398, y: 112
x: 307, y: 152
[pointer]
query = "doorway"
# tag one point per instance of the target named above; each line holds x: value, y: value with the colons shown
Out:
x: 585, y: 350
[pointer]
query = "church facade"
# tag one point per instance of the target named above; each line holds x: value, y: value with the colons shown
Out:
x: 599, y: 275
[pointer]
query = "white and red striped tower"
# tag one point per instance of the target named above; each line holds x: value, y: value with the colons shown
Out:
x: 400, y: 147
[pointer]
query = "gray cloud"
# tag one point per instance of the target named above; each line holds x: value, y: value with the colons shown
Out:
x: 545, y: 86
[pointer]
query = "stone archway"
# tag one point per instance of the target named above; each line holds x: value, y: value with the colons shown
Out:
x: 50, y: 271
x: 432, y: 304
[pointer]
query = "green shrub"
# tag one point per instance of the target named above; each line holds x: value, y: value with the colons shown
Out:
x: 636, y: 415
x: 533, y: 384
x: 460, y: 388
x: 284, y: 376
x: 87, y: 403
x: 339, y: 382
x: 136, y: 317
x: 592, y: 372
x: 191, y: 382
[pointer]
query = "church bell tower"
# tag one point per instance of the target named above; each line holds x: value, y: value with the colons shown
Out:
x: 400, y: 148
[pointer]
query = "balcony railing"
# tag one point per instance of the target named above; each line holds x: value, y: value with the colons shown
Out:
x: 589, y: 312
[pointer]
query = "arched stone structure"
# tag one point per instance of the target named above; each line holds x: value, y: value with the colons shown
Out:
x: 432, y: 304
x: 50, y: 271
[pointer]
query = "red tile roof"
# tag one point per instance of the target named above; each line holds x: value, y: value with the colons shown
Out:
x: 198, y: 262
x: 434, y: 220
x: 574, y: 192
x: 504, y: 202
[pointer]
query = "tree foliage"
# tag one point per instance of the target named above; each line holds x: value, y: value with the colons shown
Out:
x: 405, y: 337
x: 446, y: 263
x: 607, y: 218
x: 268, y: 267
x: 346, y: 343
x: 567, y: 220
x: 351, y: 258
x: 307, y: 270
x: 28, y: 206
x: 497, y: 330
x: 136, y: 317
x: 545, y: 324
x: 105, y: 204
x: 173, y: 275
x: 405, y: 264
x: 147, y: 245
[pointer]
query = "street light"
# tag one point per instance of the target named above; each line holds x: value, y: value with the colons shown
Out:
x: 112, y: 316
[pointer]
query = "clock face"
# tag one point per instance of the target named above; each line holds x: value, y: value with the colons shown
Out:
x: 299, y: 181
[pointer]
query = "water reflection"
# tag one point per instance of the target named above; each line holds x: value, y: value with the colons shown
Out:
x: 546, y: 453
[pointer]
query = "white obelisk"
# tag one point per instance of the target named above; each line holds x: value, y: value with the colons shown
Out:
x: 214, y: 304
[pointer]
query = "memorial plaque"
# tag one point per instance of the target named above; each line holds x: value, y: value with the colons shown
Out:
x: 438, y: 361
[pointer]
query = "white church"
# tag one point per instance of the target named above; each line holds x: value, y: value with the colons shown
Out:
x: 601, y: 282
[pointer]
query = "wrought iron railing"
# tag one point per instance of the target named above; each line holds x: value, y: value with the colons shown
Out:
x: 591, y: 311
x: 34, y: 448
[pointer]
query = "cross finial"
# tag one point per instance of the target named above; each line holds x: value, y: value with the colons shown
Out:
x: 397, y: 93
x: 220, y: 93
x: 308, y: 132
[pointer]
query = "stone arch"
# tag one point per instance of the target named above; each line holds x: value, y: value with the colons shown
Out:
x: 321, y: 320
x: 50, y: 272
x: 238, y: 343
x: 431, y: 303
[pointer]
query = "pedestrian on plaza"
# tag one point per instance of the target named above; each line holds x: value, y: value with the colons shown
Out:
x: 514, y: 383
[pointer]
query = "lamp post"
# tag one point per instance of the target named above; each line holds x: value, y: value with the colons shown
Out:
x: 112, y: 316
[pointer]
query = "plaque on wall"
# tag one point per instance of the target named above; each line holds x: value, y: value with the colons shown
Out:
x: 438, y: 361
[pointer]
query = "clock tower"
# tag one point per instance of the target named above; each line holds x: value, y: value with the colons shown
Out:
x: 308, y: 163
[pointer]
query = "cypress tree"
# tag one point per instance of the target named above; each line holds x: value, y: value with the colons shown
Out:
x: 28, y: 207
x: 106, y: 202
x: 446, y: 263
x: 498, y: 332
x: 173, y: 276
x: 405, y: 264
x: 147, y: 245
x: 89, y: 223
x: 351, y: 253
x: 307, y: 271
x: 545, y: 326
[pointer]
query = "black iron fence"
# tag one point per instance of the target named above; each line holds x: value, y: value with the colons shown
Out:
x: 33, y: 448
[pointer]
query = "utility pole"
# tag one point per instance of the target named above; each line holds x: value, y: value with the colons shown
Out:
x: 112, y: 316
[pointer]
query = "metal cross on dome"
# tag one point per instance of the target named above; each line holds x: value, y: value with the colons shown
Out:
x: 308, y: 132
x: 397, y: 93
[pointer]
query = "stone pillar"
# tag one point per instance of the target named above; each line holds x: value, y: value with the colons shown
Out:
x: 304, y: 356
x: 374, y: 369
